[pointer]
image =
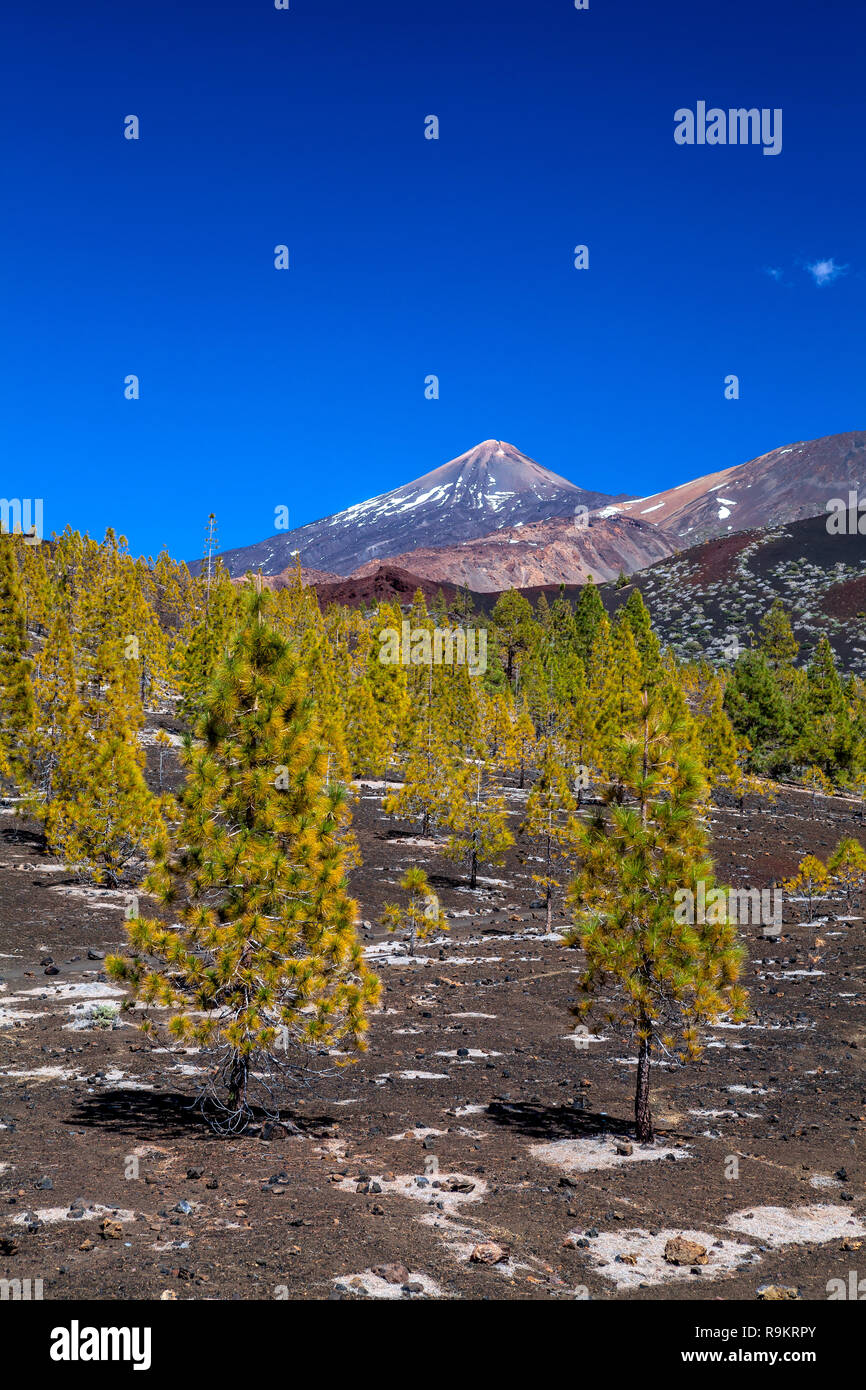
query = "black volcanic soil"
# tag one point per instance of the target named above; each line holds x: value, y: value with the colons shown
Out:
x: 77, y: 1105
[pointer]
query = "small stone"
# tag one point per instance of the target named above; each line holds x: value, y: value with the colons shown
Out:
x: 680, y: 1251
x: 623, y: 1149
x: 777, y: 1293
x: 184, y: 1208
x: 110, y: 1230
x: 457, y: 1185
x: 392, y: 1274
x: 488, y: 1253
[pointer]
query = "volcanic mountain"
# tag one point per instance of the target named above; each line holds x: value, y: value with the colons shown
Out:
x: 491, y: 487
x: 785, y: 485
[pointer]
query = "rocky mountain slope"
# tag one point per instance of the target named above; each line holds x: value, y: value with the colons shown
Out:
x: 785, y: 485
x: 547, y: 552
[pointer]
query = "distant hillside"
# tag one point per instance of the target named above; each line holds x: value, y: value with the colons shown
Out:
x: 701, y: 596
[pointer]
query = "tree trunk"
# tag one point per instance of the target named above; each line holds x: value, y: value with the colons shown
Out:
x: 237, y: 1083
x: 473, y: 869
x: 642, y: 1114
x: 549, y: 909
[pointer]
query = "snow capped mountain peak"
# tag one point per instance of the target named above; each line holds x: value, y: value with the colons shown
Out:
x: 491, y: 486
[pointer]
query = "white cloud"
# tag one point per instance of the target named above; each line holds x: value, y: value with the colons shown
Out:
x: 825, y: 272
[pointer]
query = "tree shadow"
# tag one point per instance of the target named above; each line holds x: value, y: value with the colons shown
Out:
x: 557, y: 1121
x: 446, y: 881
x: 171, y: 1115
x: 13, y: 835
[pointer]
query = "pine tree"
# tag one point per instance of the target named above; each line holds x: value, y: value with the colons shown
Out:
x: 17, y: 709
x: 619, y: 695
x: 515, y: 630
x: 498, y: 729
x: 59, y: 737
x: 778, y: 643
x: 717, y: 739
x: 525, y: 740
x: 825, y: 734
x: 478, y: 822
x: 811, y: 880
x: 421, y: 916
x: 588, y: 616
x: 758, y: 710
x: 266, y: 954
x: 550, y: 823
x: 667, y: 974
x: 104, y: 818
x: 429, y: 778
x: 635, y: 612
x: 847, y: 869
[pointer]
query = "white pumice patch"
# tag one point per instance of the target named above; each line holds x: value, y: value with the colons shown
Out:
x: 650, y: 1265
x: 778, y: 1226
x: 594, y: 1155
x: 50, y: 1215
x: 425, y: 1190
x: 372, y: 1285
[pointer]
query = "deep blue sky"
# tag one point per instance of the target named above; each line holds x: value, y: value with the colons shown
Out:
x: 409, y: 256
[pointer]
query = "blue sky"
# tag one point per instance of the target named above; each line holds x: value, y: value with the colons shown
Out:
x: 410, y: 257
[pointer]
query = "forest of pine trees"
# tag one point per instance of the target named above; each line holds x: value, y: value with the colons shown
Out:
x: 617, y: 745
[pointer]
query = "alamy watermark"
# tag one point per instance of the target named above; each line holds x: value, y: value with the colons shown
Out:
x: 439, y: 646
x: 758, y: 906
x: 732, y: 127
x: 846, y: 518
x: 22, y: 517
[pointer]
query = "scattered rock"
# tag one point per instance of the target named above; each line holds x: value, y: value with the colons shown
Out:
x: 776, y: 1293
x: 680, y: 1251
x: 488, y: 1253
x: 393, y: 1274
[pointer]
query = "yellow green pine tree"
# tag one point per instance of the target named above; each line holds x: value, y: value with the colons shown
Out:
x: 420, y: 916
x: 388, y: 679
x: 525, y: 740
x: 206, y: 639
x: 102, y: 822
x: 810, y: 882
x: 847, y: 869
x: 662, y: 975
x: 17, y: 710
x: 550, y: 823
x: 58, y: 747
x: 498, y: 726
x: 477, y: 820
x: 266, y: 954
